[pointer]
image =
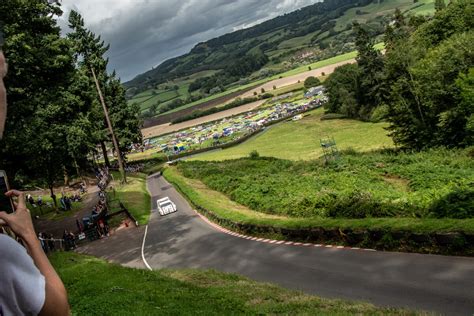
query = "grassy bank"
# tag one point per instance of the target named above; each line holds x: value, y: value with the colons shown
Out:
x: 134, y: 195
x: 223, y: 207
x: 430, y: 184
x: 96, y: 287
x: 301, y: 139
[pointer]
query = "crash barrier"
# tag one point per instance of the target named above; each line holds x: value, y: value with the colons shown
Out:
x: 445, y: 243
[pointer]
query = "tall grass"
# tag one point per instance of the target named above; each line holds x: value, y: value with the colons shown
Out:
x: 358, y: 185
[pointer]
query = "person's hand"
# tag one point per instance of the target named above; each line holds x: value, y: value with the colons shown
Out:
x: 20, y: 221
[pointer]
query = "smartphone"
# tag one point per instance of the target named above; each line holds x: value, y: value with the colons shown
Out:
x: 6, y: 203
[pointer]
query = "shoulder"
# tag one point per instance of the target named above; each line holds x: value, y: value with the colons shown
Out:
x: 10, y: 247
x: 19, y: 272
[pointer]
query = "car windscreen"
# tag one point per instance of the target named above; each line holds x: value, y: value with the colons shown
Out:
x: 165, y: 204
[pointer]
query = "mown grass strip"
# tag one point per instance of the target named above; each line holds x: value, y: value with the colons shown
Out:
x: 134, y: 196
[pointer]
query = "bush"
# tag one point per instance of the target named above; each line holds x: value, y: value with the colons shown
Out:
x: 254, y: 154
x: 379, y: 114
x: 266, y: 96
x: 456, y: 204
x: 311, y: 82
x: 358, y: 205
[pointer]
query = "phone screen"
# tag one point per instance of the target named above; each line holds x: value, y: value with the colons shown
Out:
x: 5, y: 202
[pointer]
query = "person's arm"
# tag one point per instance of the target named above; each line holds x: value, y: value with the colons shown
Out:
x: 20, y: 223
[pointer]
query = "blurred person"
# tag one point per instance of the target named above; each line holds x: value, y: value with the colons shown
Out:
x: 29, y: 285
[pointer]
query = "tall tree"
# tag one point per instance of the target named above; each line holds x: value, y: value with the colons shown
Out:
x: 41, y: 105
x: 124, y: 116
x: 370, y: 64
x: 429, y: 70
x: 90, y: 52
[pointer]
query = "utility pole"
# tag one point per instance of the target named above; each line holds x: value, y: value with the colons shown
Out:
x: 109, y: 124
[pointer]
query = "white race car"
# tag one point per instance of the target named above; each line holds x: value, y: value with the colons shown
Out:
x: 166, y: 206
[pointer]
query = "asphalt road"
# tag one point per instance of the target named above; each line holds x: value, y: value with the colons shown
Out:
x: 423, y: 282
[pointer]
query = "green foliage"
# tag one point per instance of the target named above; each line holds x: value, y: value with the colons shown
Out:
x: 254, y: 154
x: 426, y: 107
x: 378, y: 184
x: 456, y: 204
x: 341, y: 88
x: 311, y: 82
x: 90, y: 51
x: 421, y: 83
x: 379, y: 114
x: 47, y: 111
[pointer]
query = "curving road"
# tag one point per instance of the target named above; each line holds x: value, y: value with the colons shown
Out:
x: 424, y: 282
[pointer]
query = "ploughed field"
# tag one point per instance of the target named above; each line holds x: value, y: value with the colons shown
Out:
x: 379, y: 184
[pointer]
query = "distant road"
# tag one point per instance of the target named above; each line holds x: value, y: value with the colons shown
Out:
x: 435, y: 283
x: 279, y: 83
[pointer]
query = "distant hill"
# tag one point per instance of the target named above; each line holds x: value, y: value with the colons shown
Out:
x: 312, y: 33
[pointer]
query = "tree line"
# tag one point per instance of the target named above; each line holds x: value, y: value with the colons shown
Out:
x: 55, y: 120
x: 424, y: 83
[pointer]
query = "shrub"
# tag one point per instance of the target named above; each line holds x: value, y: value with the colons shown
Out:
x: 254, y: 154
x: 358, y: 205
x: 379, y: 114
x: 311, y: 82
x: 266, y: 96
x: 456, y: 204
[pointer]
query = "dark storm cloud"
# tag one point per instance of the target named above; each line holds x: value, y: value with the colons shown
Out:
x: 144, y: 33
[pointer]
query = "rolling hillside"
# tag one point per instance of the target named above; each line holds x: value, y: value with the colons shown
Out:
x: 236, y: 59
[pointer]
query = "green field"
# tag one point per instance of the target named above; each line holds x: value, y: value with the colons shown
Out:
x: 373, y: 10
x: 301, y: 139
x: 164, y: 94
x: 96, y: 287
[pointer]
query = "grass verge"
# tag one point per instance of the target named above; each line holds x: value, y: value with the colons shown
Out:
x: 134, y: 196
x: 96, y: 287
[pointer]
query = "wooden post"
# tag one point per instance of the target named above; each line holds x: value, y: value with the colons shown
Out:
x: 109, y: 124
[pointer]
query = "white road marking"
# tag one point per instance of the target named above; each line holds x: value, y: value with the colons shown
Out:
x: 143, y: 250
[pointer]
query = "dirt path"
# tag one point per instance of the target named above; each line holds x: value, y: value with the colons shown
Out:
x: 169, y: 128
x: 56, y: 228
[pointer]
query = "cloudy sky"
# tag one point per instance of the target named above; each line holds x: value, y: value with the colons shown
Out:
x: 144, y: 33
